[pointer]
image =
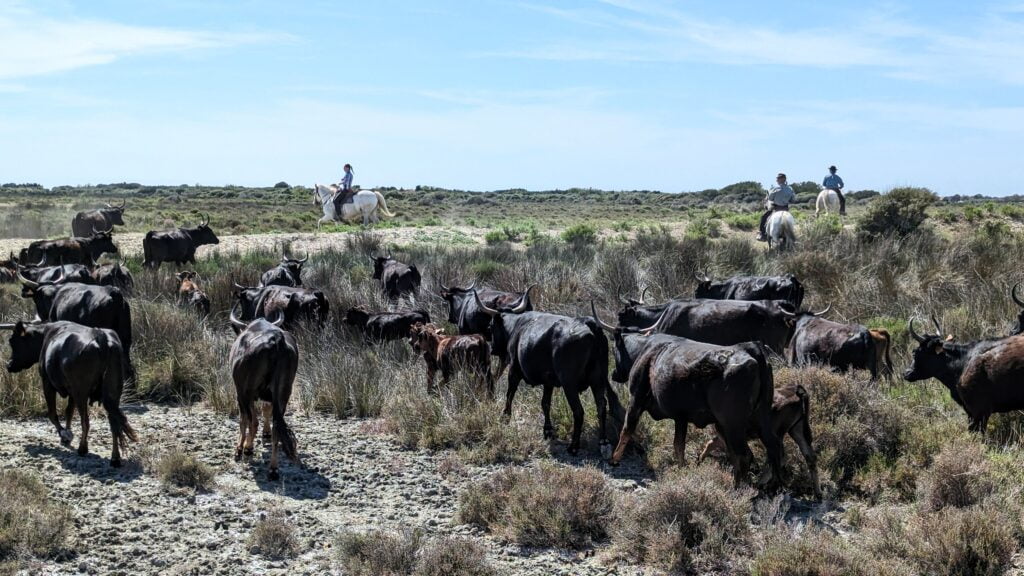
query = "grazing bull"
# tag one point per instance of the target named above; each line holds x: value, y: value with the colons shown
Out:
x: 721, y: 322
x: 554, y: 351
x: 264, y: 359
x: 451, y: 353
x: 85, y: 365
x: 178, y: 246
x: 78, y: 250
x: 116, y: 275
x: 190, y: 294
x: 464, y: 313
x: 791, y: 414
x: 287, y: 273
x: 693, y: 382
x: 9, y: 270
x: 295, y: 303
x: 93, y: 306
x: 100, y: 219
x: 70, y: 272
x: 1020, y: 316
x: 841, y: 346
x: 786, y: 288
x: 396, y: 279
x: 982, y: 377
x: 384, y: 326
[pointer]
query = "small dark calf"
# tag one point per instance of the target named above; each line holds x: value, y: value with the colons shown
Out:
x: 190, y: 294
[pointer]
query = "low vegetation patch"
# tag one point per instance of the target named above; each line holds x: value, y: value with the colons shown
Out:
x: 178, y: 469
x: 32, y: 524
x: 410, y: 553
x: 545, y: 504
x: 274, y: 536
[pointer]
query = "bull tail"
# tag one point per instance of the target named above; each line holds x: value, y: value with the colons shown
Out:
x: 289, y: 444
x: 382, y: 205
x: 113, y: 385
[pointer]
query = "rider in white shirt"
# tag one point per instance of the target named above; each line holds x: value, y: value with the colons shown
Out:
x: 778, y: 198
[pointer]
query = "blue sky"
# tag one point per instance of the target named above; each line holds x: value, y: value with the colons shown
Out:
x: 493, y: 94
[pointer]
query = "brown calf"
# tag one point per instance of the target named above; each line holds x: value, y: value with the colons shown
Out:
x: 190, y: 294
x: 451, y: 353
x: 881, y: 340
x: 790, y: 415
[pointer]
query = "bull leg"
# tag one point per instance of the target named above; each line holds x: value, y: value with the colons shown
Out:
x: 739, y: 453
x: 485, y: 368
x: 51, y: 411
x: 69, y: 413
x: 253, y: 422
x: 716, y: 444
x: 804, y: 444
x: 545, y: 406
x: 431, y: 379
x: 679, y: 441
x: 601, y: 403
x: 266, y: 421
x: 274, y: 441
x: 243, y: 424
x: 572, y: 396
x: 83, y: 413
x: 636, y: 408
x: 772, y: 445
x: 513, y: 384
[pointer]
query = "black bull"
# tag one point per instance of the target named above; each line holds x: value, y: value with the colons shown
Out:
x: 85, y: 365
x: 293, y: 303
x: 721, y: 322
x: 77, y: 250
x: 693, y: 382
x: 786, y: 288
x: 469, y: 318
x: 384, y: 326
x: 178, y: 246
x: 93, y: 306
x: 287, y: 273
x: 264, y: 359
x: 100, y: 219
x: 555, y: 352
x: 396, y: 279
x: 982, y: 377
x: 841, y: 346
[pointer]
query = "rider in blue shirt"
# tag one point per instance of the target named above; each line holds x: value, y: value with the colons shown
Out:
x: 344, y: 193
x: 835, y: 183
x: 778, y: 198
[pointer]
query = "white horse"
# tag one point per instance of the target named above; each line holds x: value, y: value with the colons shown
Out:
x: 781, y: 229
x: 828, y: 201
x: 365, y: 203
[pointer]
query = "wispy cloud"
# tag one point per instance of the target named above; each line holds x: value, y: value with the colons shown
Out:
x: 40, y: 45
x: 991, y: 46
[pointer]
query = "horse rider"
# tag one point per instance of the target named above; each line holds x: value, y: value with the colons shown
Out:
x: 778, y: 198
x: 345, y: 192
x: 834, y: 183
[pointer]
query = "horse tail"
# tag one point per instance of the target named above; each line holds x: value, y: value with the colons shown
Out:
x: 383, y: 205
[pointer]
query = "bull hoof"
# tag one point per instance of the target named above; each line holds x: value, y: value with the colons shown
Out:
x: 549, y: 433
x: 606, y: 450
x: 115, y: 462
x: 248, y: 451
x: 613, y: 462
x: 238, y: 455
x: 65, y: 437
x: 273, y: 475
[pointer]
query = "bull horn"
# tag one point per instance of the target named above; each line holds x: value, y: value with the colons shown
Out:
x: 28, y: 283
x: 482, y: 306
x: 206, y: 221
x: 786, y: 312
x: 471, y: 286
x: 443, y: 287
x: 108, y: 204
x: 618, y: 294
x: 234, y: 319
x: 239, y: 286
x: 822, y: 313
x: 606, y: 327
x: 523, y: 302
x: 938, y: 328
x: 1013, y: 294
x: 278, y: 318
x: 303, y: 260
x: 913, y: 334
x: 642, y: 295
x: 124, y: 202
x: 654, y: 327
x: 373, y: 258
x: 7, y: 326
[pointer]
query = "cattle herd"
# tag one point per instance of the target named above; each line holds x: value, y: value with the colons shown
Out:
x: 705, y: 360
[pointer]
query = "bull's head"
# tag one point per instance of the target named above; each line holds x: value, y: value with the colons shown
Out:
x: 1020, y: 316
x: 41, y: 292
x: 294, y: 267
x: 117, y: 275
x: 631, y: 314
x: 703, y: 286
x: 624, y: 357
x: 203, y: 234
x: 187, y: 279
x: 26, y: 345
x: 423, y: 338
x: 240, y: 326
x: 356, y: 317
x: 114, y: 213
x: 499, y: 336
x: 378, y: 265
x: 929, y: 358
x: 247, y: 297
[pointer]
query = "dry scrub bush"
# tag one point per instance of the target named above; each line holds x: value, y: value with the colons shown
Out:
x: 815, y: 552
x: 453, y: 556
x: 31, y: 522
x: 178, y: 469
x: 274, y: 536
x: 542, y: 505
x: 378, y: 552
x: 461, y: 417
x: 960, y: 476
x: 690, y: 520
x: 954, y: 541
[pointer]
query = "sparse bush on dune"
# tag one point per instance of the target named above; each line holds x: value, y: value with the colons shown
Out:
x: 274, y: 535
x: 545, y: 504
x: 178, y: 469
x: 899, y: 212
x: 32, y: 524
x: 960, y: 476
x: 816, y: 552
x: 691, y: 520
x: 409, y: 552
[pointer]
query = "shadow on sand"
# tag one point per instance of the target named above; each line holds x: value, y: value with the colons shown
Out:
x: 92, y: 464
x: 298, y: 482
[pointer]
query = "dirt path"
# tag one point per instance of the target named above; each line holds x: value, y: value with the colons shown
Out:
x: 352, y: 479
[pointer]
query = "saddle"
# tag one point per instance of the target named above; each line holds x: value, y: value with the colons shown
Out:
x: 777, y: 208
x: 343, y: 197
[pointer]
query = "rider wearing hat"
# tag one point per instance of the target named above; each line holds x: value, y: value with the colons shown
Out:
x: 834, y: 183
x: 778, y: 198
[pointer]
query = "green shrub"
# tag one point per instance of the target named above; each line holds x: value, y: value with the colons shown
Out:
x: 486, y: 270
x: 494, y: 237
x: 545, y: 504
x: 580, y: 234
x: 745, y: 222
x: 703, y: 227
x: 899, y: 212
